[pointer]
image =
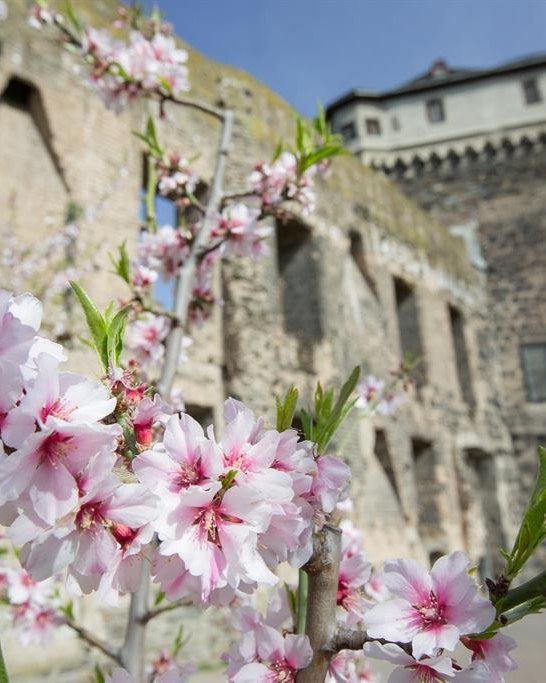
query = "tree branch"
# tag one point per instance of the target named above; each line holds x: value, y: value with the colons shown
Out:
x: 133, y: 649
x: 153, y: 613
x: 92, y: 640
x: 323, y: 572
x: 3, y: 671
x: 187, y: 273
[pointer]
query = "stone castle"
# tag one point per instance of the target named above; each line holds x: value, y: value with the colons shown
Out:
x: 370, y: 276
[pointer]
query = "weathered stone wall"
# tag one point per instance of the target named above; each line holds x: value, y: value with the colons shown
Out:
x: 500, y: 204
x: 309, y: 310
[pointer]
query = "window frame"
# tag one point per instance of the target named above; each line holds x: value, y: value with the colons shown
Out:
x: 531, y: 91
x: 435, y: 104
x: 526, y: 374
x: 349, y: 125
x: 373, y: 127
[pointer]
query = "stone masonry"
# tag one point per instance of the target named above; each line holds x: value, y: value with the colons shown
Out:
x: 369, y: 276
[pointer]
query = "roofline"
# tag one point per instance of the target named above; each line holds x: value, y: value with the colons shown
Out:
x: 361, y: 95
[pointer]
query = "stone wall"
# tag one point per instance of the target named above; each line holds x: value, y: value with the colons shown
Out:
x: 313, y: 308
x: 499, y: 206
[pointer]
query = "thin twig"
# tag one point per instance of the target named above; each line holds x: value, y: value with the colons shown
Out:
x: 185, y: 280
x: 243, y: 194
x: 153, y: 613
x: 93, y: 641
x: 193, y: 104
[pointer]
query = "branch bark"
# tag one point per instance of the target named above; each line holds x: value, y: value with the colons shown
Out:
x: 187, y: 273
x: 153, y: 613
x: 323, y: 572
x: 132, y: 651
x: 92, y: 640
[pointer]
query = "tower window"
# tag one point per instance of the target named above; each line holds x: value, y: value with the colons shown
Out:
x: 435, y: 111
x: 411, y: 343
x: 533, y: 360
x: 461, y: 356
x: 531, y: 91
x: 373, y: 127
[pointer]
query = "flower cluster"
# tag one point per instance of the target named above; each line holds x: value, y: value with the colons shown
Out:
x: 176, y: 178
x: 433, y: 611
x: 239, y: 231
x: 59, y: 494
x: 123, y: 71
x: 33, y: 606
x: 280, y: 181
x: 376, y: 398
x: 233, y: 508
x: 263, y: 654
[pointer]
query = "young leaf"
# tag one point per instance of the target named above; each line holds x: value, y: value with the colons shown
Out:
x: 533, y: 526
x: 122, y: 266
x: 95, y: 323
x: 116, y: 330
x: 286, y: 408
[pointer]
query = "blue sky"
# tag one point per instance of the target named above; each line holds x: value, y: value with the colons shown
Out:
x: 314, y: 50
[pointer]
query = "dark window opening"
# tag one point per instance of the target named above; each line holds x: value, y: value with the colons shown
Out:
x: 300, y: 279
x: 358, y: 255
x: 348, y: 131
x: 435, y: 111
x: 383, y: 455
x: 533, y: 361
x: 395, y: 123
x: 461, y: 356
x: 435, y: 555
x: 428, y: 488
x: 373, y: 127
x: 202, y: 414
x: 483, y: 487
x: 531, y: 91
x: 18, y: 94
x: 411, y: 344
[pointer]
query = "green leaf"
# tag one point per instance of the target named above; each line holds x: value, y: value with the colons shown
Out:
x: 72, y: 18
x: 95, y: 323
x: 122, y: 266
x: 321, y: 154
x: 286, y: 408
x: 307, y: 425
x: 328, y: 425
x: 533, y: 526
x: 159, y: 598
x: 116, y: 331
x: 99, y: 676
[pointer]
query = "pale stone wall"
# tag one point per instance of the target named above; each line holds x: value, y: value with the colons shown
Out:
x: 250, y: 348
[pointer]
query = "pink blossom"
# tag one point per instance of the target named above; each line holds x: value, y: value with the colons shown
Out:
x: 163, y: 251
x: 148, y: 413
x: 431, y: 610
x: 215, y: 534
x: 143, y: 276
x: 279, y: 658
x: 34, y: 623
x: 145, y: 336
x: 331, y: 483
x: 238, y: 225
x: 410, y: 669
x: 354, y: 573
x: 47, y: 465
x: 185, y: 458
x: 493, y: 652
x: 40, y: 15
x: 350, y: 667
x: 374, y: 397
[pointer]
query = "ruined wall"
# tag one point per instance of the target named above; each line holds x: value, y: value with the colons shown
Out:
x: 499, y: 203
x: 315, y: 307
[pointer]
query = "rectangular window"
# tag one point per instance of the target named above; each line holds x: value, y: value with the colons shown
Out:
x: 383, y: 455
x: 429, y: 489
x: 373, y: 127
x: 531, y: 91
x: 533, y: 360
x: 461, y: 356
x: 435, y: 111
x: 359, y: 257
x: 348, y: 131
x: 409, y: 328
x: 395, y: 123
x: 300, y: 276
